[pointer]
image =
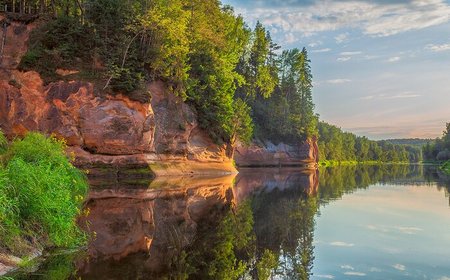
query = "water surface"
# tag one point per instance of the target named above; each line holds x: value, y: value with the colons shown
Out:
x: 367, y: 222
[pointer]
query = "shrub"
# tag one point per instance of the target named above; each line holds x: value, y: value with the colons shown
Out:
x: 41, y: 194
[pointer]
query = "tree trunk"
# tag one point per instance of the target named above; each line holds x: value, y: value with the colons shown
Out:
x: 42, y: 6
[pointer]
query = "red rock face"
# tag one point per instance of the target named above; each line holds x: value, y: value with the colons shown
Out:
x: 115, y: 130
x: 268, y: 154
x: 103, y: 129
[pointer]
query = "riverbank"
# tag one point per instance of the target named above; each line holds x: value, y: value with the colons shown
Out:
x: 446, y: 167
x: 332, y: 163
x: 41, y: 196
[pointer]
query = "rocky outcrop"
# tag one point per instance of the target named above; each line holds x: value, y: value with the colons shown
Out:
x: 250, y: 181
x: 162, y: 134
x: 268, y: 154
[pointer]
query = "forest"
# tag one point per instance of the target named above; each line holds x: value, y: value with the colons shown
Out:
x: 337, y: 145
x: 242, y: 85
x: 439, y: 150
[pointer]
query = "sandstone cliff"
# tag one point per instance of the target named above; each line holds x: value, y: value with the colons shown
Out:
x: 304, y: 154
x: 104, y: 131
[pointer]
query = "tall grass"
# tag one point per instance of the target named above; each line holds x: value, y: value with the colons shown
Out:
x: 446, y: 167
x: 41, y: 194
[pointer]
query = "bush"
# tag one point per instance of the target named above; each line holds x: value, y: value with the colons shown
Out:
x: 41, y: 194
x: 60, y: 43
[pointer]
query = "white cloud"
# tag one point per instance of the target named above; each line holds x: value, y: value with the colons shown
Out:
x: 406, y: 94
x: 438, y: 48
x: 409, y: 230
x: 340, y: 38
x: 326, y: 276
x: 372, y: 18
x: 347, y: 267
x: 344, y: 58
x: 290, y: 38
x: 400, y: 267
x: 354, y: 273
x: 394, y: 59
x: 370, y: 57
x: 376, y: 269
x: 338, y: 81
x: 321, y: 50
x: 341, y: 244
x: 315, y: 44
x: 350, y: 53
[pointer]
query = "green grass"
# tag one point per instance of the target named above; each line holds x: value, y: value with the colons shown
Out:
x: 330, y: 163
x: 446, y: 167
x: 41, y: 195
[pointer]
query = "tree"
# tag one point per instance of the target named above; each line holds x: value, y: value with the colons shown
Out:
x: 308, y: 120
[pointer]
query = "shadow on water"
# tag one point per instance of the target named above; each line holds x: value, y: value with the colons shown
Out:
x: 258, y: 224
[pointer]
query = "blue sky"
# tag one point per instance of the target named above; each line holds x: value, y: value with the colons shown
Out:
x: 381, y: 68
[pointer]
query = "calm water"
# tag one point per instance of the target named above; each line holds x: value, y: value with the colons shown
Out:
x: 367, y: 222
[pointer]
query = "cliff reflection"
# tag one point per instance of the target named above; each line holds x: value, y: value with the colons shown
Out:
x: 158, y: 222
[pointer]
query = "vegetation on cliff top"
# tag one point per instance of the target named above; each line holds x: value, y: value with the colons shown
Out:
x: 41, y: 194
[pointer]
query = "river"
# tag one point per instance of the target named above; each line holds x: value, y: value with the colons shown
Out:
x: 350, y: 222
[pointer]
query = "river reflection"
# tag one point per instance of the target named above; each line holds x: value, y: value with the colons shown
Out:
x: 266, y: 224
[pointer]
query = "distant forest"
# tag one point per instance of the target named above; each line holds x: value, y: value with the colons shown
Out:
x: 439, y: 149
x: 240, y: 82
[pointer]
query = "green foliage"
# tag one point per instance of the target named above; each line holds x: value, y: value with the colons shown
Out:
x: 338, y: 146
x: 243, y: 124
x: 288, y: 114
x: 224, y: 252
x: 446, y: 167
x: 266, y: 264
x: 439, y: 149
x: 41, y: 194
x: 61, y: 43
x: 3, y: 143
x: 201, y: 50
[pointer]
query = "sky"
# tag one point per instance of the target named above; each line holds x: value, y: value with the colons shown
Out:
x: 381, y: 68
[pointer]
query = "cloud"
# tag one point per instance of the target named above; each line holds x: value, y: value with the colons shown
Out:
x: 438, y: 48
x: 315, y: 44
x: 373, y: 18
x: 326, y: 276
x: 406, y: 94
x: 394, y: 59
x: 338, y: 81
x: 341, y: 244
x: 347, y: 267
x: 341, y: 38
x: 376, y: 269
x: 344, y: 58
x: 321, y: 50
x: 444, y: 278
x: 350, y: 53
x: 354, y: 273
x: 409, y: 230
x: 399, y: 267
x: 290, y: 38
